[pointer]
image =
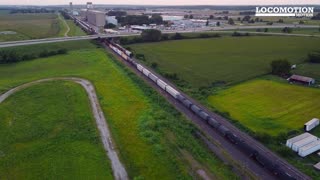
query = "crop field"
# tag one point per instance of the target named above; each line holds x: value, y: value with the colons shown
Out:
x: 29, y: 26
x: 201, y: 62
x: 268, y: 106
x: 47, y: 132
x: 152, y: 138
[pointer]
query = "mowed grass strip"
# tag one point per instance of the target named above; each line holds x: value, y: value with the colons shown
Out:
x: 269, y: 107
x: 201, y: 62
x: 47, y: 131
x: 148, y: 137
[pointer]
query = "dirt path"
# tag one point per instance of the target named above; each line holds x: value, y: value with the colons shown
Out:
x: 66, y: 24
x: 119, y: 171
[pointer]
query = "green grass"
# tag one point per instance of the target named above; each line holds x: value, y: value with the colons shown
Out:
x: 30, y: 26
x: 312, y: 31
x: 268, y: 106
x: 149, y: 134
x: 63, y: 26
x: 201, y: 62
x: 310, y: 70
x: 47, y: 132
x: 74, y: 29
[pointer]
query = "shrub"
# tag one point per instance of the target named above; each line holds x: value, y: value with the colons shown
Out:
x: 280, y: 67
x: 314, y: 57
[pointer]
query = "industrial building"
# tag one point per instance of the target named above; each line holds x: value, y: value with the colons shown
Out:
x: 304, y: 144
x: 309, y: 148
x: 296, y: 139
x: 96, y: 18
x: 297, y: 145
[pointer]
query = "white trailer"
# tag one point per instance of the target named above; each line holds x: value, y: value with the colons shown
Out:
x: 311, y: 124
x: 297, y: 145
x: 309, y: 149
x: 172, y: 91
x: 296, y: 139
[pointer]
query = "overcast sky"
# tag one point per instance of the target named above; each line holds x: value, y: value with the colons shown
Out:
x: 160, y: 2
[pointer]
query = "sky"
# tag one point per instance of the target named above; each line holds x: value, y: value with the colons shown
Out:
x: 160, y: 2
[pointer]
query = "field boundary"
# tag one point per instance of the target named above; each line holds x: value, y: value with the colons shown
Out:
x: 118, y: 168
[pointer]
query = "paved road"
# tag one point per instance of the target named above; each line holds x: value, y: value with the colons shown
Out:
x: 242, y: 160
x: 215, y: 29
x: 118, y: 169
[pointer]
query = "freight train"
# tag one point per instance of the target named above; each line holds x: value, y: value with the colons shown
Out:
x: 83, y: 25
x: 251, y: 152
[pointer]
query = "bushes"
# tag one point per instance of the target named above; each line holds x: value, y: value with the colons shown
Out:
x: 10, y: 56
x: 280, y: 67
x: 314, y: 57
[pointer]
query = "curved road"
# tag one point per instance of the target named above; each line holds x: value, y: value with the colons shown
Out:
x: 119, y: 171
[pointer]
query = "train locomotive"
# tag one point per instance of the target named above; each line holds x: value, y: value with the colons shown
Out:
x: 248, y: 150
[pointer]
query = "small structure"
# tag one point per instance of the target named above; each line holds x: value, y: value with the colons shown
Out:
x: 112, y: 20
x: 309, y: 148
x: 317, y: 166
x: 311, y: 124
x: 300, y: 144
x: 302, y: 79
x: 296, y: 139
x: 139, y: 28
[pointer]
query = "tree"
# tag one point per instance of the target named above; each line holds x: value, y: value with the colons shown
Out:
x: 246, y: 18
x: 110, y: 26
x: 230, y: 21
x: 207, y: 23
x: 186, y: 16
x: 156, y: 19
x: 211, y: 17
x: 314, y: 57
x: 281, y: 67
x: 266, y: 29
x: 177, y: 36
x: 191, y: 16
x: 301, y: 22
x: 218, y: 23
x: 280, y: 21
x: 151, y: 35
x: 287, y: 30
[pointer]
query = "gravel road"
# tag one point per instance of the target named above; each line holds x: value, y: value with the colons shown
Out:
x: 119, y: 171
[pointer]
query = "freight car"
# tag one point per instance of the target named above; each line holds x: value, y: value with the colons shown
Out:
x: 261, y: 159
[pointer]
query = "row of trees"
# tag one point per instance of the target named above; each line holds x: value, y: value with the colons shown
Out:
x: 140, y: 19
x: 11, y: 56
x: 153, y: 35
x: 31, y: 10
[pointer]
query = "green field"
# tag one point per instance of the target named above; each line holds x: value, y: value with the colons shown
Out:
x: 47, y: 132
x: 152, y: 138
x: 312, y: 31
x: 75, y: 30
x: 30, y: 26
x: 310, y: 70
x: 268, y: 106
x: 201, y: 62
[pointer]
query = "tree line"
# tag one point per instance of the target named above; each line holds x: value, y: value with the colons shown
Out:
x: 11, y: 56
x: 139, y: 19
x: 31, y: 10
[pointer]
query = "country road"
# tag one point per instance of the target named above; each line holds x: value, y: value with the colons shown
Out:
x: 118, y: 169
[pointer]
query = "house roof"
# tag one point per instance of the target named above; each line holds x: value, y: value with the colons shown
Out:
x: 301, y: 78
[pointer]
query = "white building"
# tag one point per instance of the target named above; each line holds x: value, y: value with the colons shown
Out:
x: 112, y: 20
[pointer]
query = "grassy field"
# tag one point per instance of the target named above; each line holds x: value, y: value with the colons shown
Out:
x: 310, y: 70
x: 268, y: 106
x: 313, y: 31
x: 47, y: 132
x: 30, y: 26
x: 201, y: 62
x: 75, y: 30
x: 153, y: 139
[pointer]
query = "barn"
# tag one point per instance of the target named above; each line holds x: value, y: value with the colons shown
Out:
x: 302, y: 79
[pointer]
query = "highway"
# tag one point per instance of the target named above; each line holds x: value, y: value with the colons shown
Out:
x: 225, y: 29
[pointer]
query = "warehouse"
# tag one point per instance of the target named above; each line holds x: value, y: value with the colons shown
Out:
x: 309, y: 148
x: 301, y: 79
x: 296, y: 139
x: 299, y: 144
x: 311, y: 124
